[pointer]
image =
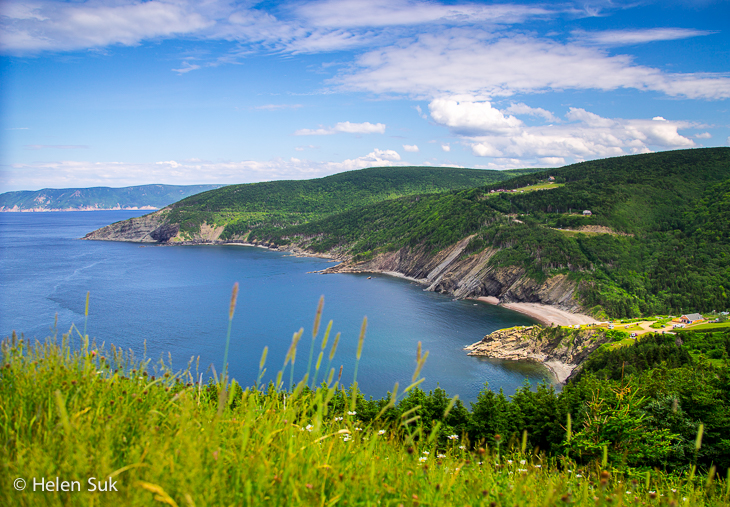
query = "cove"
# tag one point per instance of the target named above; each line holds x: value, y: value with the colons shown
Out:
x: 175, y: 300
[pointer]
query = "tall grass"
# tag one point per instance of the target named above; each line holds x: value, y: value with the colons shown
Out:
x: 76, y: 412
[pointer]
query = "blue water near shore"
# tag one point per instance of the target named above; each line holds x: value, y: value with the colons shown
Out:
x: 176, y: 299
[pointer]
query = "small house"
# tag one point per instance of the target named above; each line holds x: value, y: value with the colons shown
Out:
x: 587, y: 213
x: 692, y: 317
x: 551, y: 178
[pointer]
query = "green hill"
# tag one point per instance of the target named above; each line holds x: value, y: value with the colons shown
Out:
x: 76, y: 199
x: 655, y: 242
x: 240, y: 208
x: 664, y: 218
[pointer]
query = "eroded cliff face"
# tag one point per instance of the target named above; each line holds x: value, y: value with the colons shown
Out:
x: 150, y: 228
x: 561, y: 349
x: 470, y: 277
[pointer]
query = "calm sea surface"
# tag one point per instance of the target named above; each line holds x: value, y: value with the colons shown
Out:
x: 176, y: 299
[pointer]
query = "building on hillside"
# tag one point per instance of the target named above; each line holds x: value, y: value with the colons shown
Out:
x: 587, y: 213
x: 690, y: 318
x: 551, y: 178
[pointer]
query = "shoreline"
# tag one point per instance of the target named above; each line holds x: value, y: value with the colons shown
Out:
x: 545, y: 314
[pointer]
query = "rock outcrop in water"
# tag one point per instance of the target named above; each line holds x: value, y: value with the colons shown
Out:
x: 561, y: 349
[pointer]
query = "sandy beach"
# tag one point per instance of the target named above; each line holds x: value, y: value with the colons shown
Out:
x: 545, y: 314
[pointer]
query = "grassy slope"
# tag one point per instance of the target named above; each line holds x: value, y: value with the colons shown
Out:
x: 78, y: 414
x: 674, y: 206
x: 157, y: 196
x: 281, y: 203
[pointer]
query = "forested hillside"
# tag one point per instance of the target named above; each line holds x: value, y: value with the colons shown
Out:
x: 663, y: 222
x: 241, y: 208
x: 74, y: 199
x: 656, y: 240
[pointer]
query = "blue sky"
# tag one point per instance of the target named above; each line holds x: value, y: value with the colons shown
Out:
x: 118, y: 92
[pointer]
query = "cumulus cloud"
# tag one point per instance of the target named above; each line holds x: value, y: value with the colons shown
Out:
x: 346, y: 127
x: 585, y: 135
x: 472, y: 118
x: 410, y: 148
x: 628, y: 37
x: 64, y: 174
x: 446, y: 147
x: 703, y: 135
x: 524, y: 109
x: 475, y: 63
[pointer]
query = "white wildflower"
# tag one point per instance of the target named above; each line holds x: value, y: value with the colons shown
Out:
x: 453, y: 437
x: 358, y: 429
x: 422, y: 459
x: 521, y: 470
x: 441, y: 456
x: 578, y: 475
x: 309, y: 427
x: 381, y: 432
x: 337, y: 419
x: 522, y: 462
x: 462, y: 447
x: 509, y: 461
x: 351, y: 412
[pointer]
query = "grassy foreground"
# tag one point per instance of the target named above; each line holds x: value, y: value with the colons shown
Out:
x: 77, y: 411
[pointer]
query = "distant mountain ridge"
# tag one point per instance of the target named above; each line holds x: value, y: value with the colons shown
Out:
x: 149, y: 197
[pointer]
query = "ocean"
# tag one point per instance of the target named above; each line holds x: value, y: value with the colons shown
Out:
x: 172, y: 302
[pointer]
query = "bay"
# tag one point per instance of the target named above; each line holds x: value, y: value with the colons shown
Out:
x: 175, y: 300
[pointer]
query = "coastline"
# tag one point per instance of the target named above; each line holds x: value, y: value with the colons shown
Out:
x: 545, y: 314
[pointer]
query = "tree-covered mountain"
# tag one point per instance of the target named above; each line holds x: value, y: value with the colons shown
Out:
x: 662, y: 242
x: 81, y: 199
x: 655, y: 241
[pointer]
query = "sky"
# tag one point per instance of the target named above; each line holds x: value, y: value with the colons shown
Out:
x: 121, y: 92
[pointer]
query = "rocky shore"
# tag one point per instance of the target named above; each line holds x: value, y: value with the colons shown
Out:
x: 562, y: 350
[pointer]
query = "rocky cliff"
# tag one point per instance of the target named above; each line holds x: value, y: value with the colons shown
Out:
x: 469, y: 276
x: 561, y: 349
x: 150, y: 228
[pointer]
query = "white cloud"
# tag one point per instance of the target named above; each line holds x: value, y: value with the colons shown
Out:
x: 552, y: 161
x: 45, y: 25
x: 586, y: 135
x: 410, y: 148
x: 478, y: 64
x: 446, y: 147
x: 628, y: 37
x: 703, y: 135
x: 346, y: 127
x: 65, y: 174
x: 378, y: 13
x: 472, y: 118
x: 524, y: 109
x: 186, y: 67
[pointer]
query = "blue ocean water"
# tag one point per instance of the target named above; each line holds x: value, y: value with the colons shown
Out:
x: 176, y: 300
